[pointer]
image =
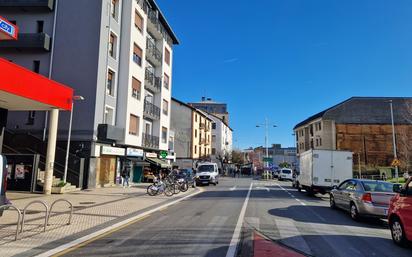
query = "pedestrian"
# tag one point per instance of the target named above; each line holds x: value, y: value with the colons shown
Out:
x: 126, y: 175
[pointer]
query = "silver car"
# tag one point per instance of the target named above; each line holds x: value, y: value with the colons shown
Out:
x: 363, y: 197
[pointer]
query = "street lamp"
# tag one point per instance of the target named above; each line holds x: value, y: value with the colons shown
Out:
x: 394, y: 140
x: 75, y: 98
x: 266, y: 126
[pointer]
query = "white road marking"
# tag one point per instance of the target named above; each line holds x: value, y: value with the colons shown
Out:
x: 108, y: 229
x: 264, y: 188
x: 233, y: 188
x: 291, y: 236
x: 231, y: 252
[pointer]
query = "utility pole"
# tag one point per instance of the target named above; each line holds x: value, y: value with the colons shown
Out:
x: 394, y: 141
x: 266, y: 126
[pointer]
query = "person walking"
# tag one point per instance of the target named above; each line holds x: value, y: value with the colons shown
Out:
x: 126, y: 176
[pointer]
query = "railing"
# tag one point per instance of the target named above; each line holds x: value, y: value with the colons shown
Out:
x: 152, y: 50
x: 153, y: 82
x: 153, y: 17
x: 29, y: 41
x: 150, y: 141
x: 151, y: 110
x: 5, y: 207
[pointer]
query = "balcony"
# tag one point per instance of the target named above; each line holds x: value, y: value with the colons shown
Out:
x: 153, y: 83
x: 151, y: 111
x: 46, y: 5
x: 40, y: 41
x: 153, y: 54
x: 106, y: 132
x: 150, y: 141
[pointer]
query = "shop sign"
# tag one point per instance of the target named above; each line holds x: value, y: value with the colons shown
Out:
x: 151, y: 155
x: 107, y: 150
x: 8, y: 29
x: 163, y: 154
x: 135, y: 152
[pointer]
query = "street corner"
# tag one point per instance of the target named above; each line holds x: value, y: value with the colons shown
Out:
x: 263, y: 247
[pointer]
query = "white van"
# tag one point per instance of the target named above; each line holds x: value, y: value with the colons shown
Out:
x: 207, y: 173
x: 285, y: 174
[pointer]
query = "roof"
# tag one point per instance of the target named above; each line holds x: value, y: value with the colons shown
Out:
x: 213, y: 115
x: 164, y: 22
x: 190, y: 107
x: 366, y: 110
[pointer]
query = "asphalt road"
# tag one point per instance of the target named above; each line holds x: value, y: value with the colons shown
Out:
x: 204, y: 225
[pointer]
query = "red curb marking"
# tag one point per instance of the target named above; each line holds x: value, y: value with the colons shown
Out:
x: 265, y: 248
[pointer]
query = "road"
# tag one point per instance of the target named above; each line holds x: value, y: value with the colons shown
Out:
x: 204, y: 226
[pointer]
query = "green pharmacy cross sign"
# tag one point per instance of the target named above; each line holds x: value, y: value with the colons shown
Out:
x: 163, y: 154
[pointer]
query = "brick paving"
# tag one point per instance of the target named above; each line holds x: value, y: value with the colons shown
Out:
x: 93, y: 210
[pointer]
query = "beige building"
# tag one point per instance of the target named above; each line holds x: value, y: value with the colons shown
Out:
x: 193, y: 136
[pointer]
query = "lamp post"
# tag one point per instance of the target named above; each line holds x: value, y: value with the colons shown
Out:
x: 266, y: 126
x: 75, y: 98
x: 395, y: 155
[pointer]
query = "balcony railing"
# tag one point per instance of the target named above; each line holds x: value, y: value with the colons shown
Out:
x: 153, y: 53
x: 152, y: 82
x: 150, y: 141
x: 28, y: 4
x: 151, y: 110
x: 39, y: 41
x: 153, y: 17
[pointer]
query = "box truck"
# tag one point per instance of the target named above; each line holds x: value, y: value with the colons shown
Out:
x: 320, y: 170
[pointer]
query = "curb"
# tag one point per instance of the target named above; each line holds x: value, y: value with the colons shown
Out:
x: 119, y: 225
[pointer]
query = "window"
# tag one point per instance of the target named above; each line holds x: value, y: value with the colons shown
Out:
x: 195, y: 133
x: 195, y: 117
x: 138, y: 21
x: 195, y: 149
x: 134, y: 125
x: 113, y: 9
x: 167, y: 56
x: 40, y: 26
x: 320, y: 125
x: 30, y: 118
x: 165, y: 107
x: 110, y: 83
x: 13, y: 22
x: 108, y: 116
x: 112, y: 45
x: 166, y: 81
x: 320, y: 141
x: 136, y: 88
x: 164, y: 135
x: 213, y: 151
x: 137, y: 55
x: 213, y: 138
x: 213, y: 125
x: 36, y: 66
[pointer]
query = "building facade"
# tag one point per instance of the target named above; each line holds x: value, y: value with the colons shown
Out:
x: 193, y: 136
x: 118, y: 55
x: 362, y: 125
x: 218, y: 109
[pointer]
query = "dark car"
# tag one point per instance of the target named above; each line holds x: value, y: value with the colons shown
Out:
x: 189, y: 175
x: 400, y: 214
x: 3, y: 182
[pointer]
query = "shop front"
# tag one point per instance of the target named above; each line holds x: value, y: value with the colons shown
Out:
x: 156, y: 165
x: 108, y: 170
x: 135, y: 159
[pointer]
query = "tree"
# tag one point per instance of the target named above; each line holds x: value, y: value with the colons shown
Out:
x: 238, y: 157
x: 284, y: 165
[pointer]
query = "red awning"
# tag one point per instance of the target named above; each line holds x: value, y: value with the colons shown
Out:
x: 22, y: 89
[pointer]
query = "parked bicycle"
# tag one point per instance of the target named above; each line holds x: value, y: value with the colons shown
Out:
x: 160, y: 187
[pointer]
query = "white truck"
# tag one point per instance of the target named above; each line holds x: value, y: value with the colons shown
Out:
x: 320, y: 170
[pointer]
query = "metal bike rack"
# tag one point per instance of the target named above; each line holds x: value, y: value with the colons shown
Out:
x: 61, y: 200
x: 18, y: 217
x: 45, y: 218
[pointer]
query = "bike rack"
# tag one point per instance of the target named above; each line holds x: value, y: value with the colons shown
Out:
x: 61, y: 200
x: 45, y: 218
x: 18, y: 218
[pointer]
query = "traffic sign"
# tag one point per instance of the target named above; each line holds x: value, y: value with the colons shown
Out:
x: 163, y: 154
x: 8, y: 31
x: 267, y: 159
x: 396, y: 163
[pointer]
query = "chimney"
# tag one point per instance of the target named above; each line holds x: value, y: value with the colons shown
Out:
x: 203, y: 98
x: 209, y: 99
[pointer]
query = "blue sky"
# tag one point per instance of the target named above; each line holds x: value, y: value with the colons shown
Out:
x: 288, y: 59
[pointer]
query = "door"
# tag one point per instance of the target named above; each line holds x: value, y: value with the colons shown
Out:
x: 107, y: 170
x: 137, y: 174
x: 405, y: 210
x: 338, y: 194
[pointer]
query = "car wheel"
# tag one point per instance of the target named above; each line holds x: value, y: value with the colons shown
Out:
x: 354, y: 214
x: 398, y: 234
x: 332, y: 202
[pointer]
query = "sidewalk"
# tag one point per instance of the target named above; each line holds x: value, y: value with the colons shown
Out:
x: 93, y: 210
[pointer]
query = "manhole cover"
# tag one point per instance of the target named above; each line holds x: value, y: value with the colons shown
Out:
x: 87, y: 203
x: 29, y: 212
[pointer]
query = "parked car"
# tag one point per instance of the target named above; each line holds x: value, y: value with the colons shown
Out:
x: 363, y: 197
x: 207, y: 173
x: 400, y: 214
x: 3, y: 182
x: 285, y: 174
x: 276, y: 174
x: 189, y: 175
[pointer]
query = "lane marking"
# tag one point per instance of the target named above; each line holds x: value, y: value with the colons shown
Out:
x: 231, y: 252
x: 264, y: 188
x: 233, y: 188
x: 83, y: 241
